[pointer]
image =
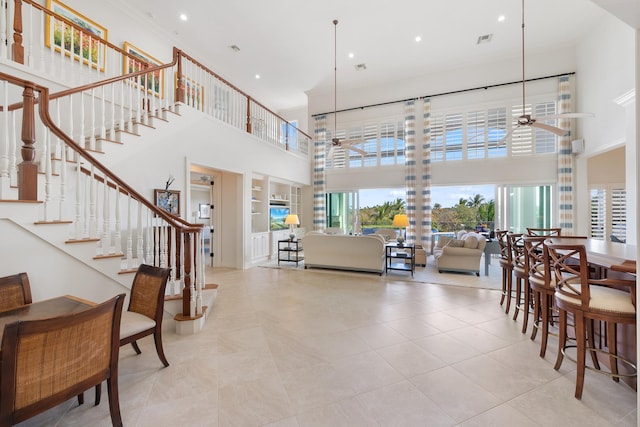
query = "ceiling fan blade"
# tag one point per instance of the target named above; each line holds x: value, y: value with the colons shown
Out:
x: 357, y: 150
x: 553, y: 129
x: 566, y: 116
x: 507, y: 135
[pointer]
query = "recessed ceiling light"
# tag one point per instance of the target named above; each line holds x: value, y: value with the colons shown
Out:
x: 351, y: 55
x: 183, y: 16
x: 501, y: 18
x: 418, y: 39
x: 257, y: 76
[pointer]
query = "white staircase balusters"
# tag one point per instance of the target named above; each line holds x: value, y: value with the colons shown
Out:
x: 92, y: 128
x: 63, y: 174
x: 91, y: 206
x: 103, y: 112
x: 3, y: 30
x: 122, y: 94
x: 140, y: 245
x: 117, y: 235
x: 105, y: 237
x: 46, y: 159
x: 129, y: 251
x: 13, y: 149
x: 6, y: 142
x: 29, y: 37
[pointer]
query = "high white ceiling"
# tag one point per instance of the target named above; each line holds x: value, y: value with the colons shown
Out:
x: 290, y: 43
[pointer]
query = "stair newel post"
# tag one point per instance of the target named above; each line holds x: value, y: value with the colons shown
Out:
x: 199, y: 268
x: 180, y: 87
x: 17, y: 49
x: 63, y: 169
x: 27, y: 169
x: 248, y: 115
x: 188, y: 294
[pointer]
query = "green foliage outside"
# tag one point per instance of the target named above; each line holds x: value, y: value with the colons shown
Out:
x: 467, y: 214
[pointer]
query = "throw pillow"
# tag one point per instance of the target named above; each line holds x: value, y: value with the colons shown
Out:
x: 471, y: 242
x: 455, y: 243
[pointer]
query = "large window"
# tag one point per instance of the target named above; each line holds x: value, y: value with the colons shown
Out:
x: 476, y: 133
x: 525, y: 206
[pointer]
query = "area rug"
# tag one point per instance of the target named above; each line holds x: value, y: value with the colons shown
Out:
x: 428, y: 274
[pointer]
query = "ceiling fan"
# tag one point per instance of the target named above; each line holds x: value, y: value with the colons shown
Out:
x: 336, y: 143
x: 526, y: 119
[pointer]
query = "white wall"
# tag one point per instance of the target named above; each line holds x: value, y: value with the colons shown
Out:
x: 51, y: 272
x: 607, y: 64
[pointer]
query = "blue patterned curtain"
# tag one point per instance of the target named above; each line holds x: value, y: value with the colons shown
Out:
x: 319, y: 179
x: 565, y: 160
x: 410, y: 167
x: 426, y: 175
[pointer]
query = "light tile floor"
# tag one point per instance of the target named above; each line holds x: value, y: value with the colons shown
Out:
x: 291, y: 348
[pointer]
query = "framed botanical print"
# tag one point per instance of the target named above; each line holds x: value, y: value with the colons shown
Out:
x: 168, y: 200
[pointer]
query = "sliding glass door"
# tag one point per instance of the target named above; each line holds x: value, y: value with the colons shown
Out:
x: 342, y: 211
x: 520, y: 207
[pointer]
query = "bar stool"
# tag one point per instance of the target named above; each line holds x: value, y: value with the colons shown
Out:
x: 588, y: 301
x: 506, y: 265
x: 549, y: 232
x: 521, y: 275
x: 542, y: 285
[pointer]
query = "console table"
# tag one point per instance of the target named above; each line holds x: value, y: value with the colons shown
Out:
x: 290, y: 251
x: 396, y: 258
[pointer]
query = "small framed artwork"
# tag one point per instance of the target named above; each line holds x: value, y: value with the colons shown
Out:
x: 204, y: 211
x: 154, y: 81
x: 70, y: 40
x: 168, y: 200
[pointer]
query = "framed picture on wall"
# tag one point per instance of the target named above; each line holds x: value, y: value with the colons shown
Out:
x: 204, y: 211
x: 168, y: 200
x: 74, y: 43
x: 154, y: 82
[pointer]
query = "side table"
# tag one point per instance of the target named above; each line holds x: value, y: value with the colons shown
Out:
x: 290, y: 251
x: 396, y: 258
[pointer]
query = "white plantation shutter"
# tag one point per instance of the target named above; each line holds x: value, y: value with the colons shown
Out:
x: 476, y: 135
x: 370, y: 145
x: 619, y: 213
x: 609, y: 212
x: 522, y: 137
x: 496, y: 130
x: 545, y: 141
x: 437, y: 138
x: 598, y: 213
x: 453, y: 136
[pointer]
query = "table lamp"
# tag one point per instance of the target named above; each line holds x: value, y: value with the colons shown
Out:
x: 291, y: 220
x: 401, y: 221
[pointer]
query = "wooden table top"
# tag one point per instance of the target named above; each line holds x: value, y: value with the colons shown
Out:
x: 46, y: 309
x: 603, y: 252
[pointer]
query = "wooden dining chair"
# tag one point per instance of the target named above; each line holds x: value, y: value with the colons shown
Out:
x: 587, y: 299
x: 507, y: 267
x: 15, y: 291
x: 146, y: 308
x: 46, y: 362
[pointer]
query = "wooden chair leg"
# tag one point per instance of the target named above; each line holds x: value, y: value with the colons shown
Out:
x: 536, y: 314
x: 509, y: 290
x: 592, y: 343
x: 504, y: 285
x: 114, y: 402
x: 98, y: 393
x: 545, y: 314
x: 81, y: 399
x: 613, y: 349
x: 581, y: 353
x: 526, y: 305
x: 134, y: 344
x: 158, y: 339
x: 518, y: 296
x: 562, y: 338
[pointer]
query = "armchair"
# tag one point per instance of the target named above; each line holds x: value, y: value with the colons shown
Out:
x: 14, y: 291
x: 45, y: 362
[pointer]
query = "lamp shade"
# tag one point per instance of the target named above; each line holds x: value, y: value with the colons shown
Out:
x: 292, y: 219
x: 400, y: 220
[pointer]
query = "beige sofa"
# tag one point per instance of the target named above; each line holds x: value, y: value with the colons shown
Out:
x: 344, y: 252
x: 461, y: 254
